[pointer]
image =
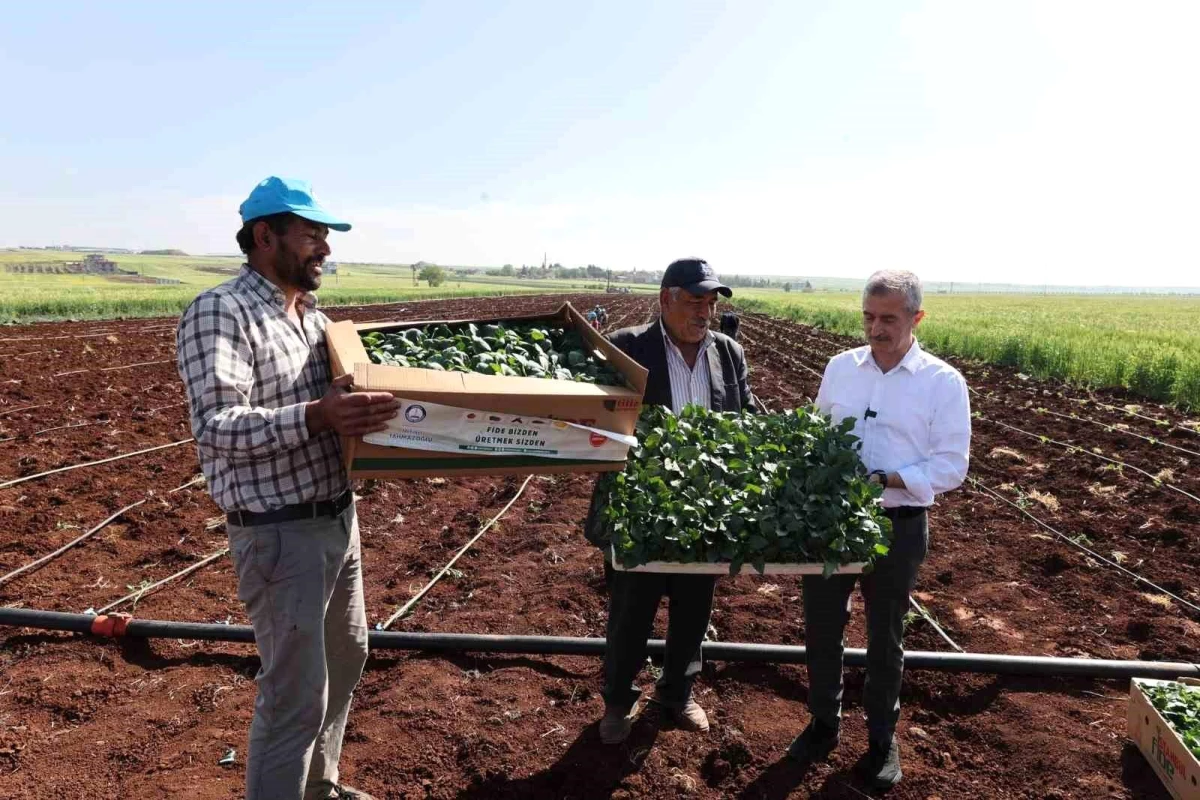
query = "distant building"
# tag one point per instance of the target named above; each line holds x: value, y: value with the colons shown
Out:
x: 97, y: 263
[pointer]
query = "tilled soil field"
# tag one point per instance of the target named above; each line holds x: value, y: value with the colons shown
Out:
x: 86, y: 718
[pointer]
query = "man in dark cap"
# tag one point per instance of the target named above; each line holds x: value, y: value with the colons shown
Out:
x: 689, y: 363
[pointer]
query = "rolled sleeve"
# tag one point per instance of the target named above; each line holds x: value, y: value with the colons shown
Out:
x: 916, y: 484
x: 290, y: 427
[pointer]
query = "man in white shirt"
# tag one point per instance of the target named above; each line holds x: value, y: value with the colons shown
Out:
x: 913, y: 416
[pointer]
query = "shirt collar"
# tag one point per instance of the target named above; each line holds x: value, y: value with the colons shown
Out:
x: 252, y: 280
x: 670, y: 343
x: 911, y: 361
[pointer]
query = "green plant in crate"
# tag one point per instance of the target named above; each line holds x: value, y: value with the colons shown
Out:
x: 1180, y: 706
x: 522, y: 350
x: 741, y: 488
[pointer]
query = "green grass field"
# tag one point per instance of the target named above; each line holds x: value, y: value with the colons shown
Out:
x: 35, y: 297
x: 1147, y: 344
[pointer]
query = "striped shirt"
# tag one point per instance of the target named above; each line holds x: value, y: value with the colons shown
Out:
x: 688, y: 384
x: 249, y: 370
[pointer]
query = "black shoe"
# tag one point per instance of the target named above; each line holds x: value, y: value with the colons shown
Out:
x: 881, y: 765
x: 814, y: 744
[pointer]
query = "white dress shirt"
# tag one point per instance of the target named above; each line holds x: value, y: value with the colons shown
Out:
x: 688, y: 384
x: 914, y: 420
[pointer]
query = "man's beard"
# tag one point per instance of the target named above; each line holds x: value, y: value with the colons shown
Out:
x: 295, y: 272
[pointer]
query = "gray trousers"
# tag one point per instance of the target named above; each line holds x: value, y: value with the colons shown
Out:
x: 633, y: 599
x: 826, y: 611
x: 301, y: 583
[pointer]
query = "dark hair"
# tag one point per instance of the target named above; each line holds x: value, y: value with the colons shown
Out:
x: 278, y: 223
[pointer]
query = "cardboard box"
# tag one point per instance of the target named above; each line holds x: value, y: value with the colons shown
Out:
x: 491, y: 404
x: 722, y: 568
x: 1161, y: 745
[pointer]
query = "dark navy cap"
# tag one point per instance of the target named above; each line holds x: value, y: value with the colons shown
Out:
x: 695, y: 275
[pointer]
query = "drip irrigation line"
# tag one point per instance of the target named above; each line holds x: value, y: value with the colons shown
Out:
x: 1156, y: 420
x: 404, y: 609
x: 109, y: 369
x: 929, y: 618
x: 139, y: 364
x: 1074, y: 448
x: 983, y: 663
x: 1115, y: 429
x: 145, y: 590
x: 16, y: 481
x: 1079, y: 418
x: 1137, y: 578
x: 33, y: 565
x: 56, y: 338
x: 192, y: 482
x: 57, y: 428
x: 22, y: 408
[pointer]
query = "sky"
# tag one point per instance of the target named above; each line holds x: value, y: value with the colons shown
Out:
x: 1015, y: 142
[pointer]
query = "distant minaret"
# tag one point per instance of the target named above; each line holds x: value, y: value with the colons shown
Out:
x: 543, y: 261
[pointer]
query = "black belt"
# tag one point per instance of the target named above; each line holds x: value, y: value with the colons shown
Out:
x: 905, y: 512
x: 321, y: 508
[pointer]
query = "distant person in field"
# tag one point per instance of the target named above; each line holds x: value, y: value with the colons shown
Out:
x: 913, y: 416
x: 729, y: 324
x: 266, y: 418
x: 688, y: 363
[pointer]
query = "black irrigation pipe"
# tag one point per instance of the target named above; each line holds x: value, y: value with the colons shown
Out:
x: 985, y: 663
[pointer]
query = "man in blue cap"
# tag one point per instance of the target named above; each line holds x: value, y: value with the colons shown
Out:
x: 266, y: 418
x: 688, y: 363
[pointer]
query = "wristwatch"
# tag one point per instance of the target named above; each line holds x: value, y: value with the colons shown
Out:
x: 878, y: 476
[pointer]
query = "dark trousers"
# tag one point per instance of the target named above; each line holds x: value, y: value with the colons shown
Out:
x: 827, y: 609
x: 633, y: 599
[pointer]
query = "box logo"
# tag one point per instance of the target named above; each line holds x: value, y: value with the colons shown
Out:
x: 1164, y: 754
x: 596, y: 439
x: 414, y: 413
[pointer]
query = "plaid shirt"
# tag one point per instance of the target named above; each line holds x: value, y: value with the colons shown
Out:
x: 249, y: 372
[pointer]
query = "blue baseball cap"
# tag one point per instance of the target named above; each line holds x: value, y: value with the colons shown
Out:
x: 276, y: 195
